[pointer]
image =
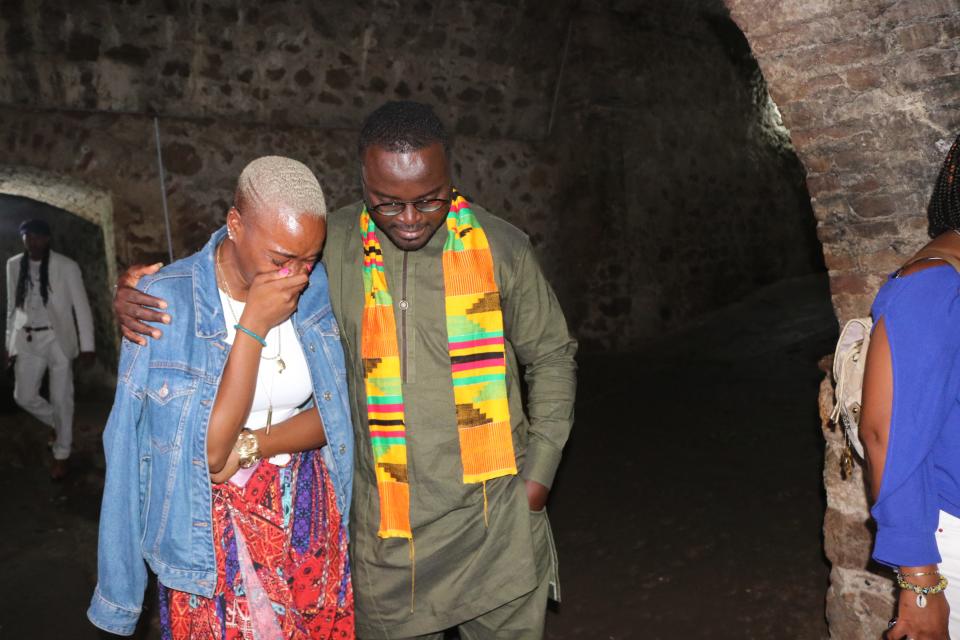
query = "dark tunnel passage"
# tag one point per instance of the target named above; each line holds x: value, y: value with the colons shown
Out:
x: 690, y: 191
x: 694, y: 473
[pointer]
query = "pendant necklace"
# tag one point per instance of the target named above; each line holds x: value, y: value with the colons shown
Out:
x: 281, y: 365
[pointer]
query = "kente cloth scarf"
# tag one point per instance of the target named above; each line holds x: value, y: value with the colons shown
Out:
x: 477, y: 365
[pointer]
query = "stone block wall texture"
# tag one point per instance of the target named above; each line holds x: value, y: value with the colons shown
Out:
x: 203, y: 159
x: 632, y: 140
x: 697, y: 180
x: 487, y: 65
x: 870, y: 91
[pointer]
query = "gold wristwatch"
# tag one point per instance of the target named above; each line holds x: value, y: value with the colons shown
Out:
x: 247, y: 448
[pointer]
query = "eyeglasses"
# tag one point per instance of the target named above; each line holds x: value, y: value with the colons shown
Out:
x: 423, y: 206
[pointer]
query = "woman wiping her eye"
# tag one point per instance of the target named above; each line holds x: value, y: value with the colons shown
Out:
x: 229, y: 450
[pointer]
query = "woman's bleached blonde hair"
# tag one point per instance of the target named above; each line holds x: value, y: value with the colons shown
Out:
x: 274, y: 180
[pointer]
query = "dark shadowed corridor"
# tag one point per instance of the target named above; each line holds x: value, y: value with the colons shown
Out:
x: 690, y: 501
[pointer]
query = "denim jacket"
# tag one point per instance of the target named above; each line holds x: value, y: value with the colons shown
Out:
x: 157, y: 496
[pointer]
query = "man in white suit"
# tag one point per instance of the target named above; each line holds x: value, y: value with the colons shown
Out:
x: 48, y: 325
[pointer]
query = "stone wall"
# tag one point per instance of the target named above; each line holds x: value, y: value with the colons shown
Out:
x: 696, y: 177
x: 631, y: 139
x: 203, y: 159
x: 870, y: 91
x: 486, y: 65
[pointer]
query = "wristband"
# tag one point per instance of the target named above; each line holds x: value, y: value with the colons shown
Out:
x: 240, y: 327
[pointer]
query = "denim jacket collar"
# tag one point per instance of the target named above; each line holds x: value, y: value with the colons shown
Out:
x: 210, y: 321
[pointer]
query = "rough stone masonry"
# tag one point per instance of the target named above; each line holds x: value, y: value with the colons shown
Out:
x: 870, y: 90
x: 629, y: 139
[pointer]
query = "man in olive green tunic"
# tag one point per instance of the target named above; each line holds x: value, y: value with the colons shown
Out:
x: 490, y: 577
x: 496, y: 575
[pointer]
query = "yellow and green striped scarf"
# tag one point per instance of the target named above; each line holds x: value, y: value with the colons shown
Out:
x: 477, y: 364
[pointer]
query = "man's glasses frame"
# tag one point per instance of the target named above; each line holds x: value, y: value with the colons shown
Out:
x: 390, y: 209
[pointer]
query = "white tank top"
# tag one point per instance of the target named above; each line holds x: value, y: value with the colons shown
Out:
x: 286, y: 391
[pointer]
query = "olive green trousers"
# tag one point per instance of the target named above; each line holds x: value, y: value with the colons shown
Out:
x: 522, y: 618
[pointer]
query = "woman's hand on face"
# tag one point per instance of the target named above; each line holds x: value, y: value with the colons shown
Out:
x: 928, y: 623
x: 230, y: 468
x: 271, y: 299
x: 133, y: 308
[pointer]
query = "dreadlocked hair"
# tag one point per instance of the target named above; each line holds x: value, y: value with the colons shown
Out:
x: 943, y: 212
x: 23, y: 283
x: 402, y: 126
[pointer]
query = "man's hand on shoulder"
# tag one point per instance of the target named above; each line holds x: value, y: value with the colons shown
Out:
x: 133, y: 308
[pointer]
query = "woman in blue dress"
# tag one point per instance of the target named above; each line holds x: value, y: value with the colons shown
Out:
x: 911, y: 424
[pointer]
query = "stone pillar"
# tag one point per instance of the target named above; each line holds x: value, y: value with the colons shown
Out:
x: 861, y: 595
x: 870, y: 91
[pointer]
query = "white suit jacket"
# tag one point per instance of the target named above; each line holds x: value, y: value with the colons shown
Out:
x: 66, y: 298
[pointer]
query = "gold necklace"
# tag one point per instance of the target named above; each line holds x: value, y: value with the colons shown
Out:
x: 281, y: 365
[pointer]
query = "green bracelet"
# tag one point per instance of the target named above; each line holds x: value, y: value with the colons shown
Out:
x: 240, y: 327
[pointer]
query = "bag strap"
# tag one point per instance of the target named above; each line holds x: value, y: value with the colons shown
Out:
x: 931, y: 254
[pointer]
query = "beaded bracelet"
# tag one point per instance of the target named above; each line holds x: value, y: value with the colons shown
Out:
x: 922, y: 592
x: 240, y: 327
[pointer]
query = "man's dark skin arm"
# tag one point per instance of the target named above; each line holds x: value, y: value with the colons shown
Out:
x: 133, y: 308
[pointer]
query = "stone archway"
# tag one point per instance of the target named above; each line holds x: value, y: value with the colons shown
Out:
x: 92, y: 209
x: 871, y: 95
x: 81, y: 199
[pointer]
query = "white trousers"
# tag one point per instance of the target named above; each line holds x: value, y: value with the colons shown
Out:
x: 948, y: 542
x: 33, y: 358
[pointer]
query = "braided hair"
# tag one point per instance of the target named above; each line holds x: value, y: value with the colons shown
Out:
x: 23, y: 283
x: 943, y: 212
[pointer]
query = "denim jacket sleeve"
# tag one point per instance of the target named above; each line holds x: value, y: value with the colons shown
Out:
x: 121, y: 572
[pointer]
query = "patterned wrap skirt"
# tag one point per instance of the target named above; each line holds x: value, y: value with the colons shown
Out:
x: 282, y: 566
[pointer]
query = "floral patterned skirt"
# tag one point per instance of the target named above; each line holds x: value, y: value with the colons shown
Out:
x: 282, y: 566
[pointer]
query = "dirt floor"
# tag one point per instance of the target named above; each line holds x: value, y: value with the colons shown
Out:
x: 689, y: 503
